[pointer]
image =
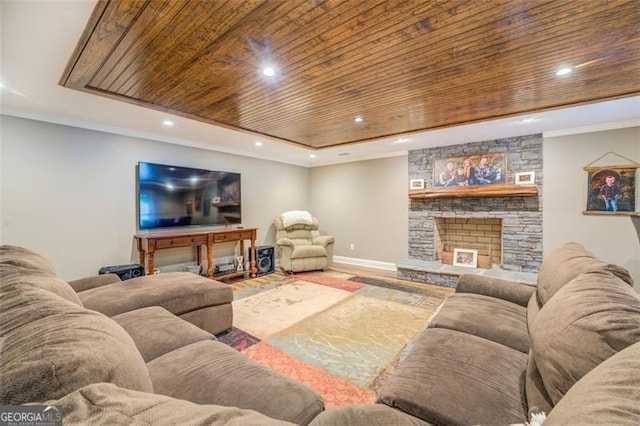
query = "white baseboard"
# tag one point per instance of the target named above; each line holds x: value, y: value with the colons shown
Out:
x: 366, y: 263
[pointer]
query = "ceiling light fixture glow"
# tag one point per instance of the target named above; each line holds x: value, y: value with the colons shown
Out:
x: 269, y: 71
x: 312, y: 156
x: 528, y: 120
x: 258, y: 143
x: 168, y: 123
x: 564, y: 71
x: 358, y: 119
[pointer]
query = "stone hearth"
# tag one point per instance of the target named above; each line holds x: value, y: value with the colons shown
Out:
x: 438, y: 273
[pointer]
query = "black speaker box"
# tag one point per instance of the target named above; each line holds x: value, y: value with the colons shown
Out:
x: 265, y: 260
x: 125, y: 272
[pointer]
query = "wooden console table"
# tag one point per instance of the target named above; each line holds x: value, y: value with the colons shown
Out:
x: 148, y: 244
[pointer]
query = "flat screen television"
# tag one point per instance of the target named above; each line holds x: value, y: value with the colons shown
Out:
x: 176, y: 197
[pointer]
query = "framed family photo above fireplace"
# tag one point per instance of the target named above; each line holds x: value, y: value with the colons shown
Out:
x: 477, y: 169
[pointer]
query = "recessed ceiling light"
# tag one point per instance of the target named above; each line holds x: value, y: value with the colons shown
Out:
x: 269, y: 71
x: 358, y: 119
x: 258, y: 143
x: 528, y: 120
x: 401, y: 140
x: 312, y: 156
x: 168, y: 123
x: 564, y: 71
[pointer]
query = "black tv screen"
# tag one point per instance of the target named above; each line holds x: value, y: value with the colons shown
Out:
x: 173, y: 196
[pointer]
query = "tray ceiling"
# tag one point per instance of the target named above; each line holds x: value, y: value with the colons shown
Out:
x: 404, y: 66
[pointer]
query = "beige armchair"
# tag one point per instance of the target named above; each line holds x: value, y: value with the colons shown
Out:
x: 300, y: 245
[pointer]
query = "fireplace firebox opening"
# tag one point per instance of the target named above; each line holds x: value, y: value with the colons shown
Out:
x: 481, y: 234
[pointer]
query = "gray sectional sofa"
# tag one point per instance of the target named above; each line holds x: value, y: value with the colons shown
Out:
x: 129, y: 353
x: 498, y: 352
x: 495, y: 353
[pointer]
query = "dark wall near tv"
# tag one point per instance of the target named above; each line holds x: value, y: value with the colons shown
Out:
x: 177, y: 196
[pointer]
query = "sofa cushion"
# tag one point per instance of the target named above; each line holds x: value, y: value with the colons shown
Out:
x: 587, y: 321
x: 177, y: 292
x: 451, y: 377
x: 607, y: 395
x: 211, y: 372
x: 366, y: 415
x: 567, y: 262
x: 40, y: 279
x: 510, y: 291
x: 107, y: 404
x: 494, y: 319
x: 87, y: 283
x: 51, y: 347
x: 537, y: 398
x: 25, y: 258
x: 157, y: 331
x: 213, y: 319
x: 533, y: 308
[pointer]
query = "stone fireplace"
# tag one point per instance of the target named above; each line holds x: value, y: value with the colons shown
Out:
x: 506, y: 230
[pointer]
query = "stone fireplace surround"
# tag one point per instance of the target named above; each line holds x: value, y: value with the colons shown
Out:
x: 521, y: 217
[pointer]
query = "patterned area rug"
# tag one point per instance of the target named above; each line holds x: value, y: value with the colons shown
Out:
x: 339, y: 333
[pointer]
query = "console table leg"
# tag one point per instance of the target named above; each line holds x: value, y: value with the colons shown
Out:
x: 141, y: 258
x: 210, y: 260
x: 150, y: 264
x: 254, y: 269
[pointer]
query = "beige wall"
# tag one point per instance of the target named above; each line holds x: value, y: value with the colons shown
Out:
x: 612, y: 238
x: 69, y: 193
x: 84, y: 223
x: 364, y: 203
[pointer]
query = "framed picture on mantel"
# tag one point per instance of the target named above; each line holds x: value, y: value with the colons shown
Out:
x: 488, y: 168
x: 525, y: 178
x: 416, y: 184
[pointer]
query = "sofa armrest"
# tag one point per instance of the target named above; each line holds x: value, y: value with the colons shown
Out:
x: 88, y: 283
x: 286, y: 242
x: 324, y: 240
x: 510, y: 291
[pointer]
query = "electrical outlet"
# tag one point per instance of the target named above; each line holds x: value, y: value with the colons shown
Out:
x: 352, y: 246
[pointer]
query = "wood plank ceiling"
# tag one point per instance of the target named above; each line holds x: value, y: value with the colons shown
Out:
x: 404, y: 66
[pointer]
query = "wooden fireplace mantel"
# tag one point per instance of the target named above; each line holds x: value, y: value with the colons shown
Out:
x: 475, y: 191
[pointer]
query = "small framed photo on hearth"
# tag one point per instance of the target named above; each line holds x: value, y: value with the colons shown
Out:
x: 416, y: 183
x: 465, y: 257
x: 525, y: 178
